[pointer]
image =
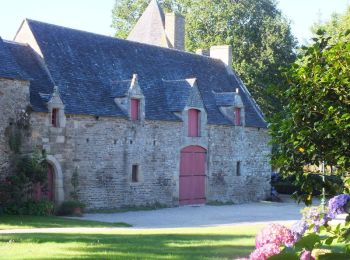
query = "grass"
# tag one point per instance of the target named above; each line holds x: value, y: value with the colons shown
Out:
x: 16, y: 222
x: 183, y: 243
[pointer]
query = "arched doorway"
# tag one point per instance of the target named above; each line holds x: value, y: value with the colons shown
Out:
x: 50, y: 188
x: 55, y: 190
x: 192, y: 175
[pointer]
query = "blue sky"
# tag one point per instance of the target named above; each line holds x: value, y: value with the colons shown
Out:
x: 95, y: 15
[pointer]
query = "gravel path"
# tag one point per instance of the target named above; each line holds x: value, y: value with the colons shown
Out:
x: 286, y: 212
x: 206, y: 216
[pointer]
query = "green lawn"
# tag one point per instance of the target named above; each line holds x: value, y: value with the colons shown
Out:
x: 15, y: 222
x: 183, y: 243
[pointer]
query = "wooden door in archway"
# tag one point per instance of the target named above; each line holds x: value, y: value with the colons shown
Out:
x: 50, y: 193
x: 192, y: 175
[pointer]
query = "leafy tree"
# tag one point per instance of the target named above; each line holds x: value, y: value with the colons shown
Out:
x: 261, y: 37
x: 336, y: 26
x: 315, y: 124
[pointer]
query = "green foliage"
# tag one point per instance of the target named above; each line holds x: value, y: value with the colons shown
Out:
x: 71, y: 207
x: 336, y: 26
x: 29, y: 171
x: 261, y: 37
x: 314, y: 125
x: 30, y: 207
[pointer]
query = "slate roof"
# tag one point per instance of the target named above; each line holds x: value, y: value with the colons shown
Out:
x: 177, y: 93
x: 40, y: 82
x: 8, y: 66
x: 225, y: 98
x: 150, y: 28
x: 120, y: 88
x: 91, y: 70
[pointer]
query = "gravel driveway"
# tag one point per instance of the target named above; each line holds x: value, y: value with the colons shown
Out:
x: 204, y: 216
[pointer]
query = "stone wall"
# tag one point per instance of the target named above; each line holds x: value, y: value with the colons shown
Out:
x: 227, y: 146
x: 14, y: 99
x: 104, y: 149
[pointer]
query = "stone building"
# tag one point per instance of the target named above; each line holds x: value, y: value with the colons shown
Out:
x: 141, y: 120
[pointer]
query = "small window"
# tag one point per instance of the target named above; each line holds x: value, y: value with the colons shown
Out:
x: 193, y: 122
x: 238, y: 169
x: 135, y: 109
x: 238, y: 116
x: 54, y: 117
x: 135, y: 175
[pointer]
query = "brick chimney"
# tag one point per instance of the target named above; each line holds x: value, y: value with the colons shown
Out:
x: 223, y: 52
x: 175, y: 30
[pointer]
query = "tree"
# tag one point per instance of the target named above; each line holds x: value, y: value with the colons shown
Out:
x: 261, y: 37
x: 336, y: 26
x: 314, y: 126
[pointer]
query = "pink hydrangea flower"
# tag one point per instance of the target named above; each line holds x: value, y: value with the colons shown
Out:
x: 275, y: 234
x: 264, y: 252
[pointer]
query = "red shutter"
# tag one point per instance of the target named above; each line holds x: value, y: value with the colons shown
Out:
x: 54, y: 118
x: 193, y: 122
x: 135, y: 107
x: 238, y: 116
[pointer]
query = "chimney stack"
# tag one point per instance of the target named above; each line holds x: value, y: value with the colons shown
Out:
x: 175, y: 30
x: 203, y: 52
x: 223, y: 52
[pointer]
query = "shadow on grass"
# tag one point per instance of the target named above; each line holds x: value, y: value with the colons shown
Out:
x: 11, y: 222
x: 139, y: 246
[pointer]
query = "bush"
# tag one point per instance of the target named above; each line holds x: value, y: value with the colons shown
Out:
x: 333, y: 184
x: 285, y: 187
x: 71, y: 208
x: 34, y: 208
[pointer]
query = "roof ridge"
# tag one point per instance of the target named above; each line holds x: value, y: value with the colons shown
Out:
x: 15, y: 43
x: 125, y: 40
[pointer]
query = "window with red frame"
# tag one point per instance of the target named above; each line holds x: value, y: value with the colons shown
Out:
x: 54, y: 117
x: 135, y: 109
x: 238, y: 112
x: 193, y: 122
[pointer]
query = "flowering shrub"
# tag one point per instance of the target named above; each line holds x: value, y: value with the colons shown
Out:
x: 299, y: 228
x: 337, y: 205
x: 303, y: 241
x: 265, y: 251
x: 314, y: 216
x: 274, y: 234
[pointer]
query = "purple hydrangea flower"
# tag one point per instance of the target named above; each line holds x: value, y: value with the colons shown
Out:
x: 315, y: 216
x: 306, y: 255
x: 299, y: 228
x: 336, y: 205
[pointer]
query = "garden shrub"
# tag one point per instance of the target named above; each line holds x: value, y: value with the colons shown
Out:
x: 69, y: 208
x: 31, y: 207
x: 310, y: 238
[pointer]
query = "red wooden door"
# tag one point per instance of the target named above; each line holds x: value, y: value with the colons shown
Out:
x: 135, y: 107
x: 50, y: 184
x: 192, y: 175
x: 193, y: 122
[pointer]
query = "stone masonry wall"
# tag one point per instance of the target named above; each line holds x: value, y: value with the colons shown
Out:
x: 103, y: 151
x: 14, y: 98
x: 227, y: 145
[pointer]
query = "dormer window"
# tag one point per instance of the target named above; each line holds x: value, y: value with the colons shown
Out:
x: 135, y: 109
x: 238, y: 112
x: 193, y: 122
x: 55, y: 117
